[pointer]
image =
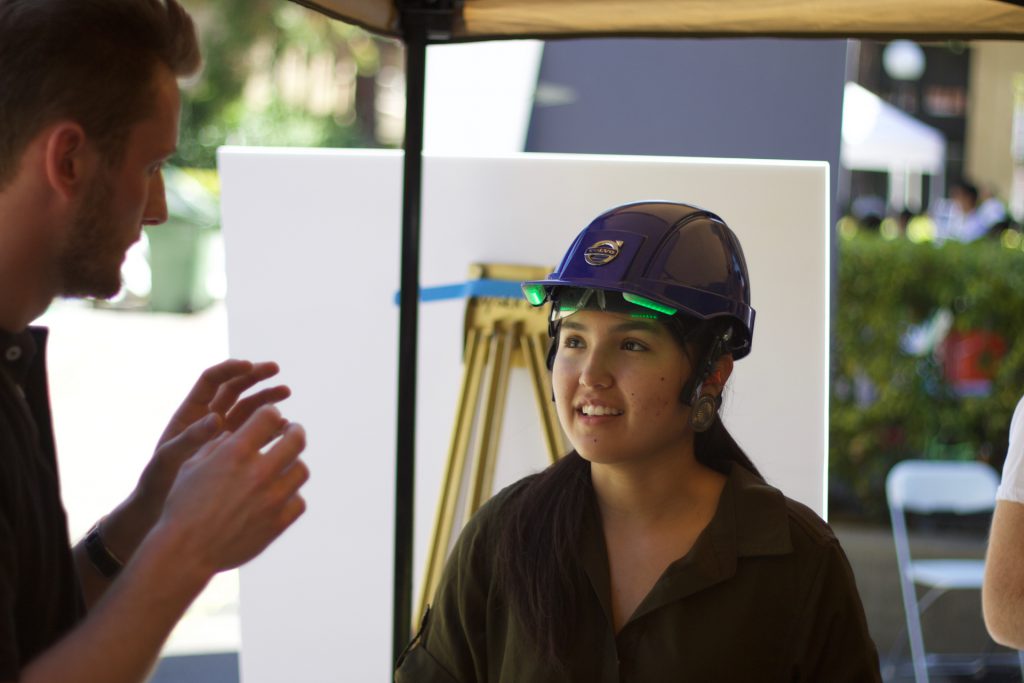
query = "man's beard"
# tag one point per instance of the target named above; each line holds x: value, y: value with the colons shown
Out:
x: 90, y: 262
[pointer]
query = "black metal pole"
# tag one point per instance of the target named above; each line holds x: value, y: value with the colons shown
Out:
x: 405, y: 463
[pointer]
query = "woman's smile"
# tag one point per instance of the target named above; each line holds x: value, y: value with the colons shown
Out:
x: 597, y: 410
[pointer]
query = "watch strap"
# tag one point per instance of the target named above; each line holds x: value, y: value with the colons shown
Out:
x: 100, y: 556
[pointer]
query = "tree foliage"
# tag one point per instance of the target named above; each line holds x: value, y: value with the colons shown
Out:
x: 891, y: 402
x: 244, y: 43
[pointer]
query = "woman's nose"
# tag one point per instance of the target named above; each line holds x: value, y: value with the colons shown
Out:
x: 595, y: 373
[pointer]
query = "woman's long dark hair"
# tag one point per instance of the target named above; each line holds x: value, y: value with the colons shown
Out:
x: 539, y: 569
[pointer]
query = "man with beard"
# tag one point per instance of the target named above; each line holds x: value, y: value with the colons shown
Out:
x: 88, y: 114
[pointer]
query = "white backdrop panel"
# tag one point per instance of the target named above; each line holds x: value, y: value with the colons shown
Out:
x: 312, y: 241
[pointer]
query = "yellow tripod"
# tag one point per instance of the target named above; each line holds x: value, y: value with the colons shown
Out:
x: 500, y: 333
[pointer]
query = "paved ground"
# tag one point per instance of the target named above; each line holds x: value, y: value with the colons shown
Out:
x: 952, y: 625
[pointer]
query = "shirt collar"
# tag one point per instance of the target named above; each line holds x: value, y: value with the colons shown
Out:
x: 751, y: 520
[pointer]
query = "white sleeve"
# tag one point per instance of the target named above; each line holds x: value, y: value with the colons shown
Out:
x: 1012, y: 486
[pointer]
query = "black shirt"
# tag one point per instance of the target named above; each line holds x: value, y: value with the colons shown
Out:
x: 40, y: 597
x: 765, y: 594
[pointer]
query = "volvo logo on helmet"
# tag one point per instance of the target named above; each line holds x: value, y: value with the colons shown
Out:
x: 603, y: 252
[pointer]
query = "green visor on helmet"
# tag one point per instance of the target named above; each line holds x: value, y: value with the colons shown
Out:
x: 569, y: 300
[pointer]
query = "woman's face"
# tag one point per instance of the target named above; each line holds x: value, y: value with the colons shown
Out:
x: 617, y: 381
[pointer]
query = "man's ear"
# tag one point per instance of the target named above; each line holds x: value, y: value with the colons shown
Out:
x: 69, y: 159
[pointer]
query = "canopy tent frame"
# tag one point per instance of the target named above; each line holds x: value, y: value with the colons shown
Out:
x: 420, y: 23
x: 479, y: 20
x: 423, y: 22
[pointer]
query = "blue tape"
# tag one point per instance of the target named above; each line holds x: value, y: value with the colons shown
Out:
x: 500, y: 289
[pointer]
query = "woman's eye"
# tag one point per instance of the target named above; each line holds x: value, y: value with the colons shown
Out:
x: 573, y: 343
x: 631, y: 345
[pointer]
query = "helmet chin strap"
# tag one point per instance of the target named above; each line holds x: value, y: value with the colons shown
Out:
x: 693, y: 386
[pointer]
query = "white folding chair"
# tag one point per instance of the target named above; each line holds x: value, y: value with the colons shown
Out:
x: 928, y: 487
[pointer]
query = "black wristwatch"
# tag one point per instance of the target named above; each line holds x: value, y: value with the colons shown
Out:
x: 101, y: 557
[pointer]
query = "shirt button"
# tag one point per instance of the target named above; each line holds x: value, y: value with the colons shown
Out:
x: 13, y: 353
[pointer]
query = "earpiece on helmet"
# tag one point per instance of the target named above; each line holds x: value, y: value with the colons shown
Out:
x: 703, y: 413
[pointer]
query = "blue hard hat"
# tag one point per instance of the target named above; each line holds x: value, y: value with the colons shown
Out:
x: 670, y: 257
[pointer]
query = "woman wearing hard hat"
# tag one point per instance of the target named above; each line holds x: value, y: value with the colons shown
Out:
x: 654, y: 551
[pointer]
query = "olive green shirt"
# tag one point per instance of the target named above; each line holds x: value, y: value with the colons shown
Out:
x: 765, y: 594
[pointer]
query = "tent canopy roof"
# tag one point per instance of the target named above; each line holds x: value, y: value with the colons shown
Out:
x: 490, y: 19
x: 879, y: 137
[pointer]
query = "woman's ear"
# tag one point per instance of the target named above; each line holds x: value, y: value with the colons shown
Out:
x: 719, y: 374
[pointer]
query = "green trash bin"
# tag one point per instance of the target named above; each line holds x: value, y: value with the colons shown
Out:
x: 179, y: 250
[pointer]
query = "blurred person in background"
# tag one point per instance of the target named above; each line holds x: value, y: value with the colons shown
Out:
x: 969, y: 215
x: 89, y: 110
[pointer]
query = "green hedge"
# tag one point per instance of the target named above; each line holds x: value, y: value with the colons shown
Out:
x: 888, y: 405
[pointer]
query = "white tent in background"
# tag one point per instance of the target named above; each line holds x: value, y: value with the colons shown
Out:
x: 880, y: 137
